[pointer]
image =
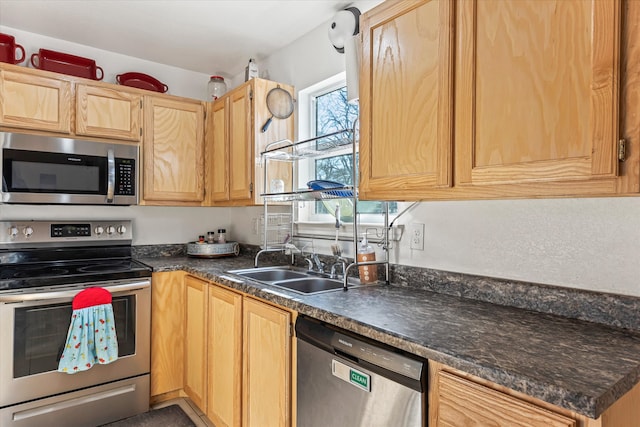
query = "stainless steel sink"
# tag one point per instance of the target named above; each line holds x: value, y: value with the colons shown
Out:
x: 271, y: 275
x: 311, y: 285
x: 293, y: 280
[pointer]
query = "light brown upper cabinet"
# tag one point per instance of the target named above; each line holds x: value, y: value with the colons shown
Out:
x: 34, y: 101
x: 173, y: 151
x: 540, y: 91
x: 108, y: 113
x: 537, y: 93
x: 235, y: 141
x: 217, y: 151
x: 406, y: 99
x: 49, y: 102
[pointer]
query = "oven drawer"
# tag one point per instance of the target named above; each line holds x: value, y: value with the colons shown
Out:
x: 90, y: 407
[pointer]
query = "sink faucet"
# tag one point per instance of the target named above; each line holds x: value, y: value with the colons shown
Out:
x: 339, y: 261
x: 309, y: 263
x: 319, y: 264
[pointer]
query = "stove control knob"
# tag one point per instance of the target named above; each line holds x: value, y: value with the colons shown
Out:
x: 122, y: 229
x: 28, y: 231
x: 99, y: 230
x: 110, y: 230
x: 13, y: 231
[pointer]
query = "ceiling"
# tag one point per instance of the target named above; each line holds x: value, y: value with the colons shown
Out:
x: 208, y: 36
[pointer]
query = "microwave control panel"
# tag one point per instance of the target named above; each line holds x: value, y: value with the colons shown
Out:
x: 125, y: 177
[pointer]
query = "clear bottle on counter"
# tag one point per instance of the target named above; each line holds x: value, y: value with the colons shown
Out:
x: 216, y: 87
x: 211, y: 237
x: 222, y: 235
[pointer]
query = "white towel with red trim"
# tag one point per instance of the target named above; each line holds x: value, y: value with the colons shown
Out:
x: 92, y: 333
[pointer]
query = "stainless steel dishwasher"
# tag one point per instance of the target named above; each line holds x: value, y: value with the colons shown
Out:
x: 345, y: 380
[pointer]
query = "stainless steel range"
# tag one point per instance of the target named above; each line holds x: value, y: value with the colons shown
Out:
x: 43, y: 265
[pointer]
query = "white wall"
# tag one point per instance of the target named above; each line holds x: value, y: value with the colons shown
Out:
x: 151, y: 224
x: 181, y: 82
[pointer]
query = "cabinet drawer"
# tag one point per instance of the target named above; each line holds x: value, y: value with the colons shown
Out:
x: 464, y: 403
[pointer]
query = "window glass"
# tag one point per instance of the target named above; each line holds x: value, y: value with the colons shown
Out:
x: 333, y: 113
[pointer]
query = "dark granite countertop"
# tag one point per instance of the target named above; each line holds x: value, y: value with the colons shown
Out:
x: 578, y: 365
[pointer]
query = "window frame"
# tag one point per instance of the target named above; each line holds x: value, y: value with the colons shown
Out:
x: 307, y: 219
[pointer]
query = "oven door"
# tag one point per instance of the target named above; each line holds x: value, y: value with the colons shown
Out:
x: 45, y: 169
x: 33, y: 331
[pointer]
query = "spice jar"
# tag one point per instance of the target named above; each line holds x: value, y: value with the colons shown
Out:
x: 210, y: 237
x: 216, y: 87
x: 222, y: 238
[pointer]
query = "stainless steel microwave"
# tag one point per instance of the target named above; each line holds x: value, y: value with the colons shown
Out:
x: 52, y: 170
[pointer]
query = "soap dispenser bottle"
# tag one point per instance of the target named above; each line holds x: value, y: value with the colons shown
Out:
x: 368, y: 273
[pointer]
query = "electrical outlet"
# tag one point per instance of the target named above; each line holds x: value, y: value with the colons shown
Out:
x: 417, y: 236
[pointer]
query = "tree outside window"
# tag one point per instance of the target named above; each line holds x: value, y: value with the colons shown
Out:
x: 334, y: 113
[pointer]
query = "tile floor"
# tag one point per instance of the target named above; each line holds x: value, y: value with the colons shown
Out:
x: 196, y: 415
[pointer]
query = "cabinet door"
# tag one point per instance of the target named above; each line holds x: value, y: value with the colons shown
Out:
x: 217, y: 163
x: 195, y: 337
x: 109, y: 113
x: 240, y: 145
x: 537, y: 93
x: 406, y: 99
x: 464, y: 403
x: 279, y: 129
x: 173, y: 151
x: 266, y: 366
x: 167, y: 324
x: 225, y: 357
x: 34, y: 102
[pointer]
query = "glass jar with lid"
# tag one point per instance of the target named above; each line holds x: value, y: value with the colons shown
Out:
x: 216, y: 87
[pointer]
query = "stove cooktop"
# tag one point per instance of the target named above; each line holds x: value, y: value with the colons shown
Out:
x: 37, y: 254
x: 21, y: 276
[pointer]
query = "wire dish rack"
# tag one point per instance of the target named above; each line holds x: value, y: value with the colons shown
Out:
x: 278, y: 228
x: 310, y: 195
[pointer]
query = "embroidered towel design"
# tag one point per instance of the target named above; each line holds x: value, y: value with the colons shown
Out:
x: 92, y: 333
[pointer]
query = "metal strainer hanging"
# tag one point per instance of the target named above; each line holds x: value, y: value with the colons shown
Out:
x: 280, y: 105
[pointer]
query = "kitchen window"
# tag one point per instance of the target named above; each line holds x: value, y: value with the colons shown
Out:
x: 324, y: 109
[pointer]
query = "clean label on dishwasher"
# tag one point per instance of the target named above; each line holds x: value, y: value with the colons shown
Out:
x: 350, y: 375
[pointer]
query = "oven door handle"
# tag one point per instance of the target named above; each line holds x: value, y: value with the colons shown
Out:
x: 70, y: 293
x: 111, y: 175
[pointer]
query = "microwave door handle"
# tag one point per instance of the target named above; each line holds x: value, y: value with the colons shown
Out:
x: 111, y: 175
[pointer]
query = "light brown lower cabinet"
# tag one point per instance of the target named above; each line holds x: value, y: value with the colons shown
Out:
x: 266, y: 365
x: 224, y: 377
x: 167, y: 334
x: 195, y: 340
x: 237, y: 356
x: 459, y: 399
